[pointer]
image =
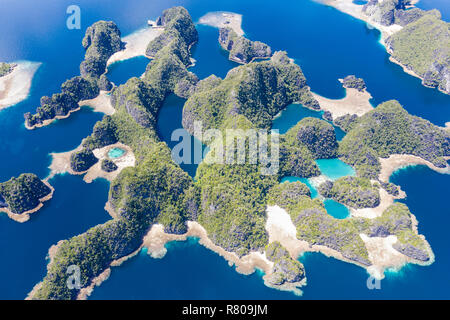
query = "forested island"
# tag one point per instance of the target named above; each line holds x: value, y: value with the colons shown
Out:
x: 231, y: 201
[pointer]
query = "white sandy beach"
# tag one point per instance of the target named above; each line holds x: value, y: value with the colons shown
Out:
x: 135, y: 44
x: 15, y: 86
x: 221, y: 19
x: 354, y: 102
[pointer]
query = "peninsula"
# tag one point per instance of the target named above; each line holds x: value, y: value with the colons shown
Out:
x: 251, y: 219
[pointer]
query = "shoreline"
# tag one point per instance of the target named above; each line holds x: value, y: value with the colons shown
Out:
x: 61, y: 163
x: 156, y: 239
x: 223, y: 19
x: 15, y: 86
x: 354, y: 10
x: 381, y: 260
x: 25, y: 216
x: 101, y: 103
x: 354, y: 102
x: 399, y: 161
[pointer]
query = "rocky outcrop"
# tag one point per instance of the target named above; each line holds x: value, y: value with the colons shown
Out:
x: 286, y: 193
x: 381, y: 12
x: 23, y: 193
x: 6, y: 68
x: 389, y: 129
x: 411, y: 251
x: 81, y: 161
x: 346, y: 122
x: 258, y: 91
x: 429, y: 38
x: 241, y: 49
x: 404, y: 17
x: 103, y: 134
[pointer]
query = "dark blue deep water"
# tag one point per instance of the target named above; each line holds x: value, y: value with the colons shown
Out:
x: 326, y: 43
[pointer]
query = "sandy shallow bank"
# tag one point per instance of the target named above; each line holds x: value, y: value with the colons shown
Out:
x: 354, y: 102
x: 15, y: 86
x: 222, y: 19
x: 25, y: 216
x: 135, y: 44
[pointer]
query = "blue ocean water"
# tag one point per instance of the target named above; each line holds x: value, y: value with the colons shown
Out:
x: 180, y: 275
x: 293, y: 113
x: 327, y: 48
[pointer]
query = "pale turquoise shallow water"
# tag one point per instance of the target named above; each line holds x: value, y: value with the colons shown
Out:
x: 334, y: 168
x: 115, y: 153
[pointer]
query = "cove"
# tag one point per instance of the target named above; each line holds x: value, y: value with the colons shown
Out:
x: 334, y: 168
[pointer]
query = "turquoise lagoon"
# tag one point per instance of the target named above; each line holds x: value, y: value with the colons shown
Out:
x: 326, y: 43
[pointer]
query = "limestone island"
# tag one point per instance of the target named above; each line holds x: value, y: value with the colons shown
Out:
x: 15, y: 81
x: 249, y: 218
x: 24, y: 195
x: 417, y: 40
